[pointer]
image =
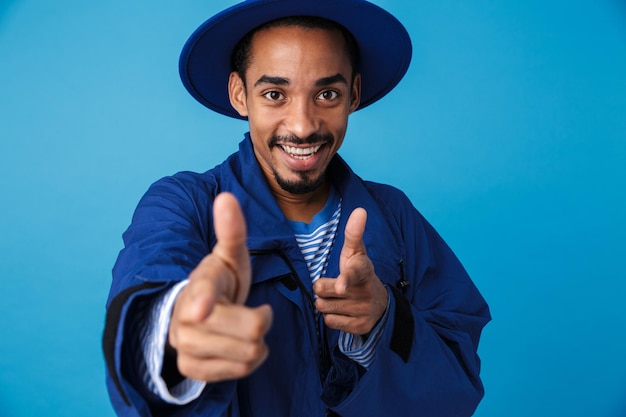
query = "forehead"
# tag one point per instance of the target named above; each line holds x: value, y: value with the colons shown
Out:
x: 293, y: 44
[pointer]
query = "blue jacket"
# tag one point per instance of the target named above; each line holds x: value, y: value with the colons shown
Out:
x: 426, y: 362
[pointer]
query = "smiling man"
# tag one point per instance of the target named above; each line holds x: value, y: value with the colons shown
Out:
x: 279, y: 283
x: 302, y: 89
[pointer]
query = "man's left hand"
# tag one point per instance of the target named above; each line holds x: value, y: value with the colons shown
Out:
x: 356, y: 300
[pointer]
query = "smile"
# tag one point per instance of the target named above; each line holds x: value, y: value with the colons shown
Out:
x: 301, y: 153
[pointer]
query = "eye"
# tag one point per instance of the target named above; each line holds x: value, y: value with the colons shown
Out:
x: 328, y: 95
x: 273, y: 95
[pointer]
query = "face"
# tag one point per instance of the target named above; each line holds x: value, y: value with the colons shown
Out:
x: 297, y: 96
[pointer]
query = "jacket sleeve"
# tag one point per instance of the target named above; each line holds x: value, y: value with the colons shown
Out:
x: 426, y: 361
x: 169, y: 234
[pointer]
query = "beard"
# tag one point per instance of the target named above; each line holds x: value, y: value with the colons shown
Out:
x: 304, y: 185
x: 306, y: 182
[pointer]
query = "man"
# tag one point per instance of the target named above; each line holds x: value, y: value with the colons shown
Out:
x: 279, y: 283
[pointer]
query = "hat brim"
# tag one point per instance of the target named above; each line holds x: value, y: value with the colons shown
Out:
x: 384, y: 46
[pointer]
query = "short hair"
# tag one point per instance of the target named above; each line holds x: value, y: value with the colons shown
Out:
x: 240, y: 59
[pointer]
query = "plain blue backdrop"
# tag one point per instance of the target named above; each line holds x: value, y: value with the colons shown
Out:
x: 508, y: 133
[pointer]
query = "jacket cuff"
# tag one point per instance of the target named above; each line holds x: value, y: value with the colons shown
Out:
x: 114, y: 331
x: 154, y: 338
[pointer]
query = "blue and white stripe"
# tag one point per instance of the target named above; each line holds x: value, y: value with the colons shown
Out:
x: 315, y: 246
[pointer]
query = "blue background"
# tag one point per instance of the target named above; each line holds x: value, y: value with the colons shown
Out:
x: 508, y: 133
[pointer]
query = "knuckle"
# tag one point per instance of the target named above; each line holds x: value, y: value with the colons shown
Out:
x: 182, y: 344
x: 177, y: 339
x: 186, y: 368
x: 321, y: 305
x: 187, y: 345
x: 172, y: 337
x: 241, y: 369
x: 354, y: 329
x: 331, y: 321
x: 257, y: 325
x: 252, y: 352
x: 361, y: 329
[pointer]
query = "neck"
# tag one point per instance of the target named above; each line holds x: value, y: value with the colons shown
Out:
x: 302, y: 207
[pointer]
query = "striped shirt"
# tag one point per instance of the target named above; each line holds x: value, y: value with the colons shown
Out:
x: 315, y: 239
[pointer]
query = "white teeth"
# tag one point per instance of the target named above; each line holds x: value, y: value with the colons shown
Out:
x: 301, y: 153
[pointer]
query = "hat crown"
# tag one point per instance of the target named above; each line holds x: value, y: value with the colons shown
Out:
x: 384, y: 45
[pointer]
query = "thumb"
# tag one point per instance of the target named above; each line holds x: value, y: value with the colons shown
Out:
x: 230, y: 230
x: 353, y: 235
x: 353, y: 245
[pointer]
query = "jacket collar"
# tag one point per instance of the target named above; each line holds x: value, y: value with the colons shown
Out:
x: 269, y: 229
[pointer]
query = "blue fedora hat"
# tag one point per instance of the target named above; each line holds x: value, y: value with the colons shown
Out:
x: 384, y: 46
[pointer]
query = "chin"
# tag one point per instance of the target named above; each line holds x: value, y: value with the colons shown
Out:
x: 303, y: 185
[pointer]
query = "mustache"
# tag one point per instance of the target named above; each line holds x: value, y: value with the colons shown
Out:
x: 295, y: 140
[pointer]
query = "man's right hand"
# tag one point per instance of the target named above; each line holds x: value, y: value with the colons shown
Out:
x: 215, y: 336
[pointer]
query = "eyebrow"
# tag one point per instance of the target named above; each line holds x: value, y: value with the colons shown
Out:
x: 267, y: 79
x: 337, y: 78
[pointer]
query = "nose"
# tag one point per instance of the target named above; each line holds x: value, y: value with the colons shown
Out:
x: 301, y: 119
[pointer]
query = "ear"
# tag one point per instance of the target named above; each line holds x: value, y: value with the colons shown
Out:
x: 355, y: 98
x: 237, y: 94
